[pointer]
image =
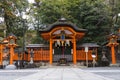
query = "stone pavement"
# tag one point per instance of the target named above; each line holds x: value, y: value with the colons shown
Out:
x: 63, y: 73
x: 14, y: 74
x: 111, y: 72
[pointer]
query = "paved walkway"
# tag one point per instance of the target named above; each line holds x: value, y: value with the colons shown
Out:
x: 63, y: 73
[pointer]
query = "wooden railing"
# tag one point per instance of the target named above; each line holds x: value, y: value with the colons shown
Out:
x: 40, y: 55
x: 81, y: 55
x: 43, y: 55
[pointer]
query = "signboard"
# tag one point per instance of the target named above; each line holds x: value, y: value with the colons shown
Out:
x: 86, y: 49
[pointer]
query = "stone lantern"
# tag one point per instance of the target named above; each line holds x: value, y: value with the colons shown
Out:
x: 11, y: 44
x: 112, y: 43
x: 94, y: 57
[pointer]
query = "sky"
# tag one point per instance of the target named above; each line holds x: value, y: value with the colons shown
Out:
x: 31, y: 1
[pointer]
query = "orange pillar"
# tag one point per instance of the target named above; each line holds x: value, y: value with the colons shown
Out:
x: 74, y: 51
x: 41, y: 54
x: 113, y: 54
x: 11, y: 54
x: 1, y: 61
x: 50, y: 51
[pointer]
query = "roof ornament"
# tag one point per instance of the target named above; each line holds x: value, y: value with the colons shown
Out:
x: 62, y: 19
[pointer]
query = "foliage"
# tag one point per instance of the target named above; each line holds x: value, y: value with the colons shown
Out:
x: 88, y: 14
x: 114, y: 10
x: 99, y: 17
x: 12, y: 12
x: 91, y: 15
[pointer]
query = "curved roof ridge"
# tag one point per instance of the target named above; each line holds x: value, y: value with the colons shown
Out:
x: 63, y: 23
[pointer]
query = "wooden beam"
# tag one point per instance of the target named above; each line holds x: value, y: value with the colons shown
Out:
x: 66, y: 35
x: 60, y: 28
x: 62, y: 40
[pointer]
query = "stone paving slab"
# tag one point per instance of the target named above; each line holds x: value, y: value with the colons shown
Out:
x: 63, y: 74
x: 11, y: 75
x: 111, y: 72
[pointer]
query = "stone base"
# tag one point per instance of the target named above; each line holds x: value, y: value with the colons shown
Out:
x: 75, y: 66
x: 30, y: 66
x: 114, y: 65
x: 1, y: 66
x: 10, y: 67
x: 50, y: 65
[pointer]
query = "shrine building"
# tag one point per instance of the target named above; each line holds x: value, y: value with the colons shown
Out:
x: 62, y: 37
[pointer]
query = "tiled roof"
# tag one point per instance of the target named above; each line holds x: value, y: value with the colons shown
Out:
x: 37, y: 45
x: 63, y: 23
x: 88, y: 45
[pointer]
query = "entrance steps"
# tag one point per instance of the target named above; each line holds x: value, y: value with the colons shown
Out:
x: 55, y: 64
x: 57, y: 57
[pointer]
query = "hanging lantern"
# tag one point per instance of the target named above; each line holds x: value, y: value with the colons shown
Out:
x: 58, y: 42
x: 68, y: 42
x: 55, y: 44
x: 53, y: 51
x: 65, y: 44
x: 62, y: 43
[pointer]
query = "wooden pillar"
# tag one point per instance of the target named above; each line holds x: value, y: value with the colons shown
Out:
x: 41, y: 52
x: 1, y: 55
x: 113, y: 54
x: 74, y: 51
x: 50, y: 51
x: 28, y: 55
x: 11, y: 54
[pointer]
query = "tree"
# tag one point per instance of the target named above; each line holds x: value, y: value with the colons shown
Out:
x: 91, y: 15
x: 114, y: 10
x: 88, y: 14
x: 12, y: 12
